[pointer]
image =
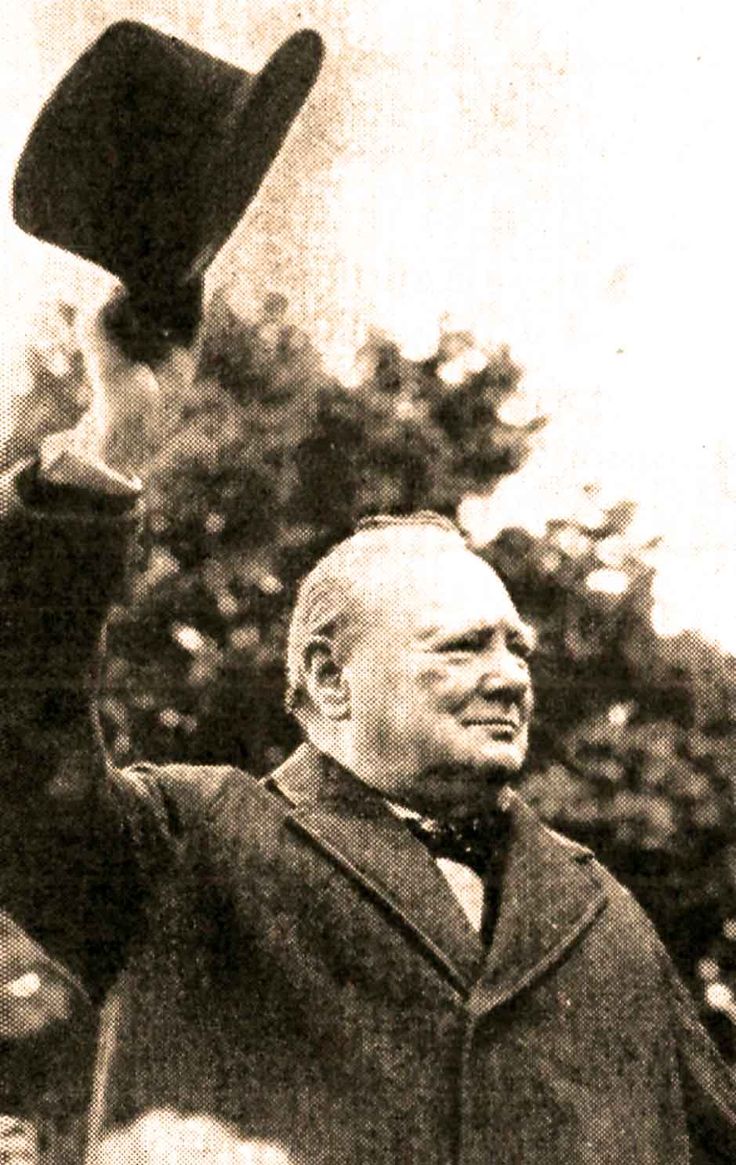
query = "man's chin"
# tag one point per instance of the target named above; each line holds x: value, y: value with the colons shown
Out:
x: 469, y: 786
x: 483, y: 756
x: 491, y: 756
x: 502, y: 760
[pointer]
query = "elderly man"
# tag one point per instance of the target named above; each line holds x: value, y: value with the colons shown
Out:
x: 378, y: 953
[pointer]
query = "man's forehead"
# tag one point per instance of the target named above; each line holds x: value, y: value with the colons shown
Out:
x: 441, y: 584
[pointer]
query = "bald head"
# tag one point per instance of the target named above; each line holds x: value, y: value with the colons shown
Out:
x: 408, y: 663
x: 347, y: 588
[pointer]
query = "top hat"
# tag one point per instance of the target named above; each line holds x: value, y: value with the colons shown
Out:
x: 147, y: 154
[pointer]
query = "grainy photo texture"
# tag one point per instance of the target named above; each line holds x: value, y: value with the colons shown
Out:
x: 368, y: 689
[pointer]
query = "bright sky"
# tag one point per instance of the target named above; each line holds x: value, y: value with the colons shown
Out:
x: 556, y: 176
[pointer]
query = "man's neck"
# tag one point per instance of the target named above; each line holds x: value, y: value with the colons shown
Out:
x: 331, y: 745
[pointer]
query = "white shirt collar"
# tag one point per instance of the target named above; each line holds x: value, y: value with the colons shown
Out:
x: 466, y: 884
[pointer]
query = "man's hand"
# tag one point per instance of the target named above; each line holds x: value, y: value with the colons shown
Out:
x: 56, y: 393
x: 123, y: 421
x: 93, y: 416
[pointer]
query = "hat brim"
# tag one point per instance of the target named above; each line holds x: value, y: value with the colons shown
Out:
x: 148, y: 153
x: 249, y: 139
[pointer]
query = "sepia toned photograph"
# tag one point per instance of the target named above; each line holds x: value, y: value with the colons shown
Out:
x: 367, y: 562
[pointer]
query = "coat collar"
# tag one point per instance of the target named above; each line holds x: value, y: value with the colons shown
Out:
x: 549, y: 896
x: 353, y: 825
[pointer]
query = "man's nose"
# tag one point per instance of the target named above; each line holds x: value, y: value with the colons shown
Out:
x: 504, y: 675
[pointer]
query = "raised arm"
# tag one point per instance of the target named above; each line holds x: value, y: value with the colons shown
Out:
x: 73, y: 833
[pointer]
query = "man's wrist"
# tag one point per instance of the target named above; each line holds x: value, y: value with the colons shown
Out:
x: 71, y: 484
x: 69, y: 466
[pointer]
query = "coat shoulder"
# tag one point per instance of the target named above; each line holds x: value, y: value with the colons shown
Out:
x: 623, y: 908
x: 188, y: 798
x: 184, y: 794
x: 574, y: 848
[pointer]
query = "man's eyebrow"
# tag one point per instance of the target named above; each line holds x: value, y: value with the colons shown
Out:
x: 442, y: 633
x: 520, y: 630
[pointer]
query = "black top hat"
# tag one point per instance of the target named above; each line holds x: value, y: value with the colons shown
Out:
x: 148, y: 153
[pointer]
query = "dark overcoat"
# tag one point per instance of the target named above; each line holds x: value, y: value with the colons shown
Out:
x: 285, y: 956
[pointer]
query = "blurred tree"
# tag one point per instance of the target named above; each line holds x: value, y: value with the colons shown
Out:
x: 634, y: 739
x: 272, y: 460
x: 269, y: 460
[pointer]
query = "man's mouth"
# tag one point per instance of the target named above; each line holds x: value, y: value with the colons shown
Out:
x: 505, y: 716
x: 504, y: 723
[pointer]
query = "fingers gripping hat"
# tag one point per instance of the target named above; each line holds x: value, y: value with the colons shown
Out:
x: 146, y: 155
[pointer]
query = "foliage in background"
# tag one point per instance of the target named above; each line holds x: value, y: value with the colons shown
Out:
x: 272, y: 460
x: 635, y: 737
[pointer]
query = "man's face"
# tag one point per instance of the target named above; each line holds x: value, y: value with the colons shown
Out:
x: 440, y: 691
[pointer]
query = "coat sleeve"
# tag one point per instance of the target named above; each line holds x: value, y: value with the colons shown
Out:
x: 78, y: 840
x: 708, y: 1083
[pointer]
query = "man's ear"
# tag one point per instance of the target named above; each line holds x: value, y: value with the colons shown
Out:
x: 326, y: 683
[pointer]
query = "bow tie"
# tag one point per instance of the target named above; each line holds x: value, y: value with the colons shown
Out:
x: 475, y: 841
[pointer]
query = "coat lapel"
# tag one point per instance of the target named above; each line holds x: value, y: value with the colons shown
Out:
x: 550, y: 896
x: 353, y: 826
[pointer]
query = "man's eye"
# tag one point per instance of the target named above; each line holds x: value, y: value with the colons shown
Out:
x: 521, y: 648
x: 470, y: 643
x: 475, y: 643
